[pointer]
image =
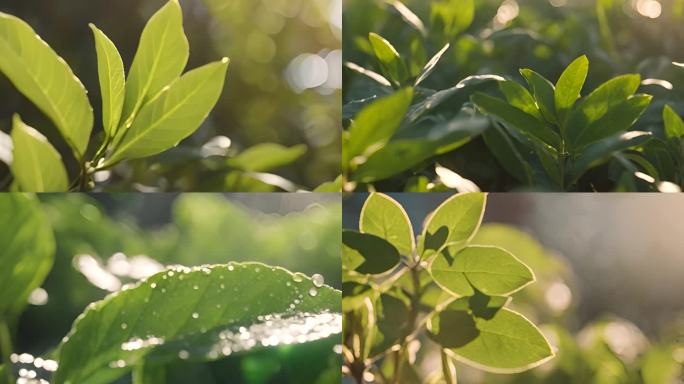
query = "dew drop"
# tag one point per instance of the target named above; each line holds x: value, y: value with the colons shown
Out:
x: 153, y: 285
x: 124, y: 325
x: 318, y: 280
x: 313, y: 292
x: 292, y: 306
x: 195, y: 315
x: 288, y: 284
x: 257, y: 269
x: 163, y: 290
x: 231, y: 268
x: 297, y: 278
x: 222, y: 286
x: 195, y: 287
x: 183, y: 354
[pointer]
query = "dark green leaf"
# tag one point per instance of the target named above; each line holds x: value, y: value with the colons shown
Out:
x: 516, y: 118
x: 597, y: 152
x: 544, y: 93
x: 397, y: 156
x: 367, y: 253
x: 503, y: 149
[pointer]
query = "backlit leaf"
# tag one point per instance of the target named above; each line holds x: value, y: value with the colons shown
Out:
x: 161, y: 57
x: 37, y: 166
x: 490, y: 270
x: 391, y: 63
x: 112, y: 81
x: 455, y: 221
x: 173, y: 115
x: 570, y: 85
x: 505, y: 342
x: 267, y: 157
x: 674, y: 126
x: 45, y: 79
x: 382, y: 216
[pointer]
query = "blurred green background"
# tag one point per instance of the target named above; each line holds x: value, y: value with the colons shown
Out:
x: 608, y: 294
x: 283, y: 83
x: 106, y: 240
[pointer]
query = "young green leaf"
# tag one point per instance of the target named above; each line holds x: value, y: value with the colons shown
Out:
x: 27, y: 252
x: 37, y: 166
x: 368, y: 254
x: 266, y: 157
x: 173, y: 115
x: 598, y: 104
x: 45, y: 79
x: 490, y: 270
x: 519, y: 97
x: 455, y: 221
x: 391, y: 63
x: 674, y: 126
x: 453, y: 16
x: 384, y: 217
x: 376, y: 123
x: 110, y: 70
x: 196, y: 315
x: 505, y: 342
x: 518, y: 119
x: 162, y: 55
x: 544, y: 93
x: 618, y: 119
x: 570, y: 85
x: 330, y: 186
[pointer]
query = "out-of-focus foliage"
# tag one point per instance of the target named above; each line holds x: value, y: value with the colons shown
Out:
x: 498, y: 37
x: 104, y: 242
x: 283, y: 89
x: 602, y: 349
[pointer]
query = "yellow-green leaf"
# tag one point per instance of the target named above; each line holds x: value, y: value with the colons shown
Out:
x: 174, y: 115
x: 46, y: 79
x: 37, y: 166
x: 112, y: 81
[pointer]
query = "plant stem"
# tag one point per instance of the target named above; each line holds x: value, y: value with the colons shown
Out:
x: 412, y: 318
x: 6, y: 350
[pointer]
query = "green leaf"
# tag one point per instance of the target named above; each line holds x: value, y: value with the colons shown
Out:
x: 659, y: 366
x: 505, y: 342
x: 570, y: 85
x: 519, y: 97
x: 376, y: 123
x: 618, y: 119
x: 523, y: 122
x: 597, y: 152
x: 392, y: 322
x: 367, y: 253
x: 455, y: 221
x: 508, y: 156
x: 173, y: 115
x: 267, y: 157
x: 162, y: 55
x: 27, y: 252
x: 37, y: 166
x: 598, y: 104
x: 384, y: 217
x: 393, y: 67
x: 396, y: 157
x: 330, y: 186
x: 452, y: 16
x: 544, y: 93
x: 45, y: 79
x: 430, y: 66
x: 674, y: 126
x: 199, y: 314
x: 112, y: 81
x: 490, y: 270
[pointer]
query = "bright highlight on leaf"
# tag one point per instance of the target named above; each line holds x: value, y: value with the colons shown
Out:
x: 199, y: 314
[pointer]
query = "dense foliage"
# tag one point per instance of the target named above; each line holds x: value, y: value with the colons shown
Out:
x: 416, y: 315
x: 229, y: 317
x: 590, y: 89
